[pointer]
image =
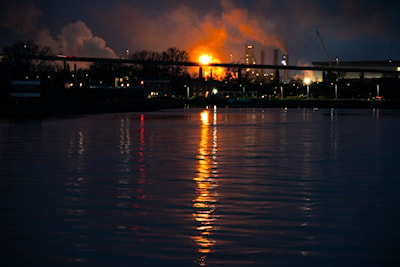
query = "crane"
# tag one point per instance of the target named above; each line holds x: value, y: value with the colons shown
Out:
x: 325, y: 49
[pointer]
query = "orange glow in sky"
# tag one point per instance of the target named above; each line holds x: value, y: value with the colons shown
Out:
x: 205, y: 57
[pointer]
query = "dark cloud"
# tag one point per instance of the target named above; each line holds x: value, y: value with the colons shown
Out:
x: 20, y: 18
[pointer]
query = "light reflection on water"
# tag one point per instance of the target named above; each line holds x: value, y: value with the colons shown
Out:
x: 207, y: 181
x: 215, y: 187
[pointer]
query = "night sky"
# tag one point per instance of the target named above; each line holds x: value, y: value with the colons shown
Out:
x: 351, y: 30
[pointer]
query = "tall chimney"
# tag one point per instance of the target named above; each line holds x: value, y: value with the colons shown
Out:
x: 275, y: 62
x: 262, y: 56
x: 276, y: 52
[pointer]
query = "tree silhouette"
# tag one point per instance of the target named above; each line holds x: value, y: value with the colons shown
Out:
x: 173, y: 54
x: 17, y: 62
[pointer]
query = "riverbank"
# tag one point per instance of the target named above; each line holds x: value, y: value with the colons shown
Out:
x: 301, y: 103
x: 74, y: 102
x: 83, y: 105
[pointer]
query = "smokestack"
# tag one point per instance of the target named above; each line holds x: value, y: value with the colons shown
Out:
x: 276, y: 52
x: 275, y: 62
x: 262, y: 56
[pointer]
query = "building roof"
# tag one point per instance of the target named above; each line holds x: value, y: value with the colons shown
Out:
x: 382, y: 64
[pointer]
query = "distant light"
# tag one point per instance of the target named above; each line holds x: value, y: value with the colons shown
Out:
x: 284, y: 60
x: 307, y: 80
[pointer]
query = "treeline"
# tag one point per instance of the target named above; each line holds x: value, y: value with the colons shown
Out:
x: 16, y: 64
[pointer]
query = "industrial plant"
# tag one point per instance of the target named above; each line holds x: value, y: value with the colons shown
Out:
x: 145, y: 80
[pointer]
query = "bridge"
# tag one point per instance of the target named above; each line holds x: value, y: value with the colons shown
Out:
x: 394, y: 72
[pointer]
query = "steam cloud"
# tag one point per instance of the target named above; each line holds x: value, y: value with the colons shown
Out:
x: 76, y: 39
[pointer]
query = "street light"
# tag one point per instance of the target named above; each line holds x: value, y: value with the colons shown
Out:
x: 187, y: 91
x: 307, y: 81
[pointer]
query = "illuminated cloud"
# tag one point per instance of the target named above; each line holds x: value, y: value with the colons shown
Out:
x: 76, y: 39
x: 246, y: 28
x: 218, y: 32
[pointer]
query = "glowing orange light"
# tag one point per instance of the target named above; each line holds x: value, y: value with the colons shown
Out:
x: 204, y: 116
x: 205, y: 59
x: 205, y: 56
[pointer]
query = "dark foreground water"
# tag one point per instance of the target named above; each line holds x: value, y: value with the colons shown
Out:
x: 226, y: 187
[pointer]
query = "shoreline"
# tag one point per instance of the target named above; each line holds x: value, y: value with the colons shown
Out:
x: 51, y: 107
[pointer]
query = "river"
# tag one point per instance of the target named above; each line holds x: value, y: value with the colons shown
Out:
x: 202, y: 187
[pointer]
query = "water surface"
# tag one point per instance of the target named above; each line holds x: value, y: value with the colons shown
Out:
x: 194, y: 187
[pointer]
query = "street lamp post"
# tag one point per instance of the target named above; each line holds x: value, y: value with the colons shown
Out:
x: 336, y: 95
x: 187, y: 91
x: 377, y: 90
x: 307, y: 82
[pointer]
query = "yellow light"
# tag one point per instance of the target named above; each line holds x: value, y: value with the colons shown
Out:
x: 307, y: 80
x: 205, y: 59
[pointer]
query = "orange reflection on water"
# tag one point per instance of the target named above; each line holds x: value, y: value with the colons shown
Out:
x: 206, y: 182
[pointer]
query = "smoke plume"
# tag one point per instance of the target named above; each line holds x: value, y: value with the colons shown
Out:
x: 220, y: 32
x: 248, y: 29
